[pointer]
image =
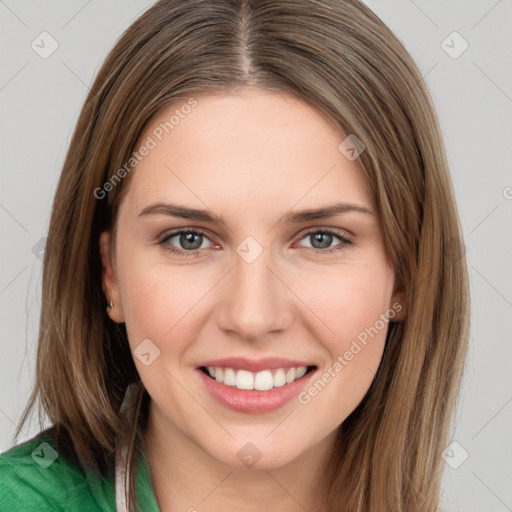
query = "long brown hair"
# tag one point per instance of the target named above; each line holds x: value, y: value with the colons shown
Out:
x: 339, y: 57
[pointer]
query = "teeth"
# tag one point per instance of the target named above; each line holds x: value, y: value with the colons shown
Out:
x: 300, y: 372
x: 290, y: 375
x: 263, y: 381
x: 260, y: 381
x: 279, y: 378
x: 229, y: 377
x: 244, y: 380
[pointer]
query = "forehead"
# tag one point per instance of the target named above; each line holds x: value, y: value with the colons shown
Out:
x: 252, y: 149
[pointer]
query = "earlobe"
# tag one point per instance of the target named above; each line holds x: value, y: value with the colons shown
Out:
x: 109, y: 280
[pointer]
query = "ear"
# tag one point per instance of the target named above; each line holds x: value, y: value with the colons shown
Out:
x: 109, y: 279
x: 397, y: 305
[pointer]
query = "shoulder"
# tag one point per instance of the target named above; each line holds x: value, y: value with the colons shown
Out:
x: 34, y: 476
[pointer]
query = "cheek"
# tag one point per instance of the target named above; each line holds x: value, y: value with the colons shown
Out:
x: 348, y: 299
x: 159, y: 303
x: 351, y: 306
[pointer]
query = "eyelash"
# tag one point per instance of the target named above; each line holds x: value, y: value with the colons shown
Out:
x: 344, y: 241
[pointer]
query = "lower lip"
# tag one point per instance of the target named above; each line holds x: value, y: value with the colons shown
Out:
x: 254, y: 402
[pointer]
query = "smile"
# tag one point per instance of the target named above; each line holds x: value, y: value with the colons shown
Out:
x: 254, y: 386
x: 260, y: 381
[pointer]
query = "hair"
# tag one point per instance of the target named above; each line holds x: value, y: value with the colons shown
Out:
x: 340, y: 58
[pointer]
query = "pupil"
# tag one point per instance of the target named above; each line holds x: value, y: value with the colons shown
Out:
x: 317, y: 237
x: 190, y: 240
x: 187, y: 241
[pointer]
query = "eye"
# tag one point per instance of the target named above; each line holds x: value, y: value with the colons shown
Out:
x: 185, y: 242
x: 321, y: 240
x: 189, y: 242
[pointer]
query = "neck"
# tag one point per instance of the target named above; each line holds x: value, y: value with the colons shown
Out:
x: 187, y: 478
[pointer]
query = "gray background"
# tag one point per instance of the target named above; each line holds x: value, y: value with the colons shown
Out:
x: 40, y: 100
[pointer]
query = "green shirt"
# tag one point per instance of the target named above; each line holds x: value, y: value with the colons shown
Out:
x: 34, y: 477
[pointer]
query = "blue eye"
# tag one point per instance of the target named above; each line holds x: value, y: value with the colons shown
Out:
x: 321, y: 240
x: 191, y: 241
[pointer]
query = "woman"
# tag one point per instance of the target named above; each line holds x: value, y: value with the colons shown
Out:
x: 254, y: 294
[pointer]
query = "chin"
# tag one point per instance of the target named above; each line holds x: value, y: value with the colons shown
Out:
x: 257, y: 454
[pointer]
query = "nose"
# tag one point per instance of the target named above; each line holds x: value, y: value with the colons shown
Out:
x: 255, y: 301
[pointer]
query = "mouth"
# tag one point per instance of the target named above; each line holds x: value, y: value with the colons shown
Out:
x: 254, y: 392
x: 254, y: 387
x: 263, y: 380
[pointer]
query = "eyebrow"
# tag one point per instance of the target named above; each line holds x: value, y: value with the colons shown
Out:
x: 294, y: 217
x: 324, y: 212
x: 174, y: 210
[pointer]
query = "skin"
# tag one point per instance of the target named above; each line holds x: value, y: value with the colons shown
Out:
x: 248, y: 157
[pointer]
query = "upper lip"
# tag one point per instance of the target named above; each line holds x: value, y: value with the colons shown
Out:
x: 255, y: 365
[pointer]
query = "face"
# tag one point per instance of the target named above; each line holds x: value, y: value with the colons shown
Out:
x: 247, y: 252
